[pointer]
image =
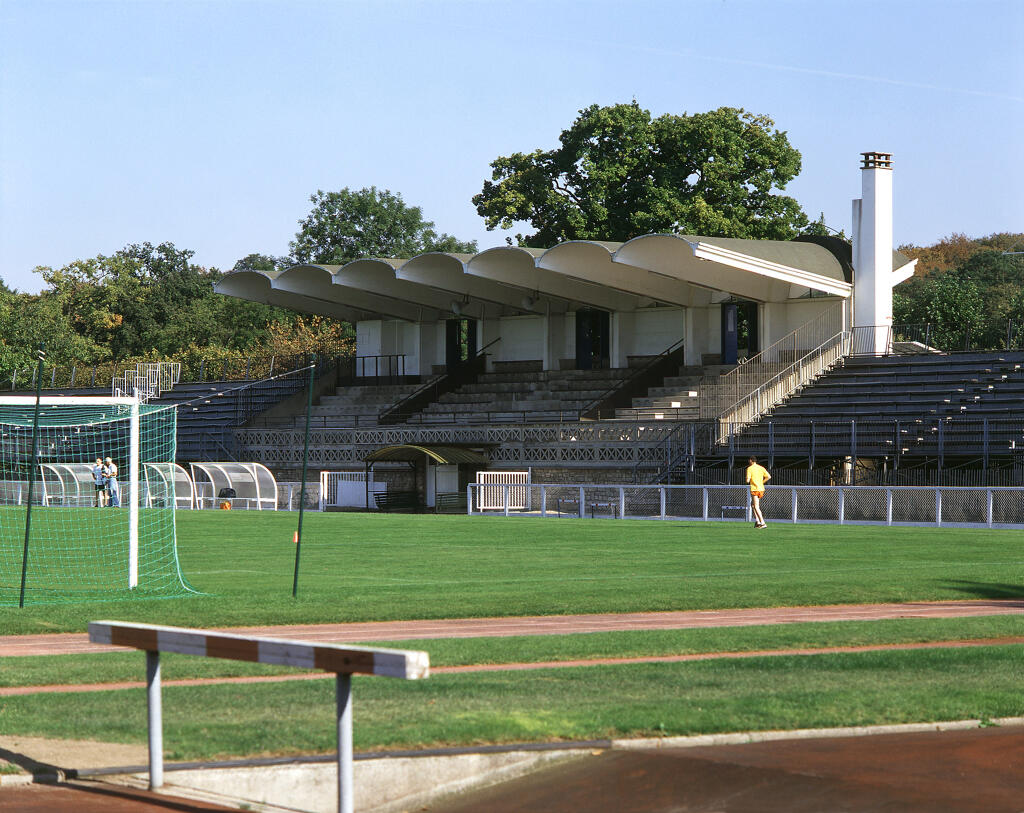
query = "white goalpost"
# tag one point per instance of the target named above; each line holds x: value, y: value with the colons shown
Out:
x: 93, y: 535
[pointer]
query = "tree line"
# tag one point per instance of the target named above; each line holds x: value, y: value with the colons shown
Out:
x: 616, y: 173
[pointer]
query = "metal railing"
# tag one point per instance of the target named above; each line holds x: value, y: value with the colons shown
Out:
x: 911, y: 339
x: 636, y: 383
x: 772, y: 392
x: 722, y: 396
x: 463, y: 373
x: 835, y: 504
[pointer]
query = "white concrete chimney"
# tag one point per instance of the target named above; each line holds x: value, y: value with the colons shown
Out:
x: 872, y: 254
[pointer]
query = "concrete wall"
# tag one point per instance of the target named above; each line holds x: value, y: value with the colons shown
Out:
x: 522, y: 338
x: 552, y: 339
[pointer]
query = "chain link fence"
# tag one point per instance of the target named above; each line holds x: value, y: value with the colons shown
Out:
x: 869, y: 505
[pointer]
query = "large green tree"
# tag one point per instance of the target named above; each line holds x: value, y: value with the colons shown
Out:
x: 619, y: 173
x: 346, y: 225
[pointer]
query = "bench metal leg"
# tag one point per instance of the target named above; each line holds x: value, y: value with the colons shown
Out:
x: 345, y: 793
x: 156, y: 726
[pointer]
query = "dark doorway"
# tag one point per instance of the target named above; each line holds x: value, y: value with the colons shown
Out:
x: 593, y: 342
x: 740, y: 331
x: 730, y: 333
x: 459, y: 341
x: 748, y: 329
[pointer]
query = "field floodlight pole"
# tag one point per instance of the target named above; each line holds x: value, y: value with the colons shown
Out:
x: 302, y: 486
x: 32, y: 473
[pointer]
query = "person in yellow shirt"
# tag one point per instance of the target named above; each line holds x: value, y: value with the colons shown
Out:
x: 757, y: 476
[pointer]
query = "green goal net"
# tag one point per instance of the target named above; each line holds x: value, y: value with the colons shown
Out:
x: 101, y: 522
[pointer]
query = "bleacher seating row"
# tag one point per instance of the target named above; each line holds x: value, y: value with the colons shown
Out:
x: 914, y: 405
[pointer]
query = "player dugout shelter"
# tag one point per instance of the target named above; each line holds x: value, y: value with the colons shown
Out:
x: 576, y: 305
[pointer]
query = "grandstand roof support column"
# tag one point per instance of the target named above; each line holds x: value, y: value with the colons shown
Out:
x: 872, y: 253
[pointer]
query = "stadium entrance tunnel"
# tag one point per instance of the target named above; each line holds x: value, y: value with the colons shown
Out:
x: 434, y: 477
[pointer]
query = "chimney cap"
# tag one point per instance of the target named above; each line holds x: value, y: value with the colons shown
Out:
x: 876, y: 160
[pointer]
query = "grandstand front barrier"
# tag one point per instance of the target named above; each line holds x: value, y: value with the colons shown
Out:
x: 344, y: 661
x: 844, y: 505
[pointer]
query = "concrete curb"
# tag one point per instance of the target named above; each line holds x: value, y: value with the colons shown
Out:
x: 741, y: 738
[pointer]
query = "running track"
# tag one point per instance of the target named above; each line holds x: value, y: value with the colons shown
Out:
x: 78, y: 643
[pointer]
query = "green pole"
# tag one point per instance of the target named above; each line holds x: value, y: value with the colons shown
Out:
x: 302, y: 488
x: 32, y: 473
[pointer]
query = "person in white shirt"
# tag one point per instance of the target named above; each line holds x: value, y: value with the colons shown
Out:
x: 113, y: 490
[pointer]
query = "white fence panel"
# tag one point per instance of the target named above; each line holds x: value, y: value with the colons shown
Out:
x: 842, y: 505
x: 491, y: 494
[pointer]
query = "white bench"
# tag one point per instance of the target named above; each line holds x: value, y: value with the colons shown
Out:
x: 344, y: 661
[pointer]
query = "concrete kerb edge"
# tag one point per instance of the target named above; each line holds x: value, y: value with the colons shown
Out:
x: 742, y: 738
x: 697, y: 740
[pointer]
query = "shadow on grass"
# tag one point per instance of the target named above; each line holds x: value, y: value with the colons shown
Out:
x: 992, y: 590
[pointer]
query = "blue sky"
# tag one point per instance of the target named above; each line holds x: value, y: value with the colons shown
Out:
x: 209, y: 124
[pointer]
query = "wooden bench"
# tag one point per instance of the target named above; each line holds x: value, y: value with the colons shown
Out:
x: 450, y: 503
x: 571, y: 506
x: 397, y: 501
x: 343, y: 660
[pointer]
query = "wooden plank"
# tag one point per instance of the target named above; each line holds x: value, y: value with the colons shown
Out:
x: 405, y: 664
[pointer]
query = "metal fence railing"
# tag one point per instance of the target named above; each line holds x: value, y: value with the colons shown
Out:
x: 766, y: 367
x: 871, y: 505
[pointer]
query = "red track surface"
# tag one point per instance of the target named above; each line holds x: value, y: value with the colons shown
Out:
x: 73, y: 643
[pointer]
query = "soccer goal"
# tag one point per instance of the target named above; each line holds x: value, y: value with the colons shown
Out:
x: 101, y: 522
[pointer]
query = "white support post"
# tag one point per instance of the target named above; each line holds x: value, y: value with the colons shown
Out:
x: 582, y: 512
x: 662, y: 490
x: 469, y: 499
x: 133, y: 496
x: 344, y: 722
x: 888, y: 506
x: 622, y: 502
x: 938, y: 506
x: 155, y: 720
x: 842, y: 505
x: 988, y: 507
x: 794, y: 506
x: 543, y: 501
x: 705, y: 503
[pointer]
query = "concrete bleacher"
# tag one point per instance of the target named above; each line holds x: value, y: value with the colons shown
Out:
x: 677, y: 398
x: 359, y: 404
x: 899, y: 403
x: 522, y: 396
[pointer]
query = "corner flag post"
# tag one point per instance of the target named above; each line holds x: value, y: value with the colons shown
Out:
x: 302, y: 487
x: 33, y: 455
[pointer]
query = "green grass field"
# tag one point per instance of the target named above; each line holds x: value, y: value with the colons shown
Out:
x: 373, y: 567
x: 358, y: 567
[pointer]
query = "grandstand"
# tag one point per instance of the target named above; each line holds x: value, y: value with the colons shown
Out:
x: 668, y: 358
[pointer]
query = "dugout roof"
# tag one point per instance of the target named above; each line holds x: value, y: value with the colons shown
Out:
x: 651, y: 269
x: 441, y: 455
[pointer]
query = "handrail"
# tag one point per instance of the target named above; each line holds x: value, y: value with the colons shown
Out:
x: 639, y: 378
x: 748, y: 376
x: 464, y: 373
x: 756, y: 403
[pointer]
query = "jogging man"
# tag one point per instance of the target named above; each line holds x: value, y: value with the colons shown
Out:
x: 757, y: 476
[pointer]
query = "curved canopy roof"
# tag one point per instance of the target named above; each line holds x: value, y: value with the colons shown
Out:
x: 439, y: 454
x: 654, y: 269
